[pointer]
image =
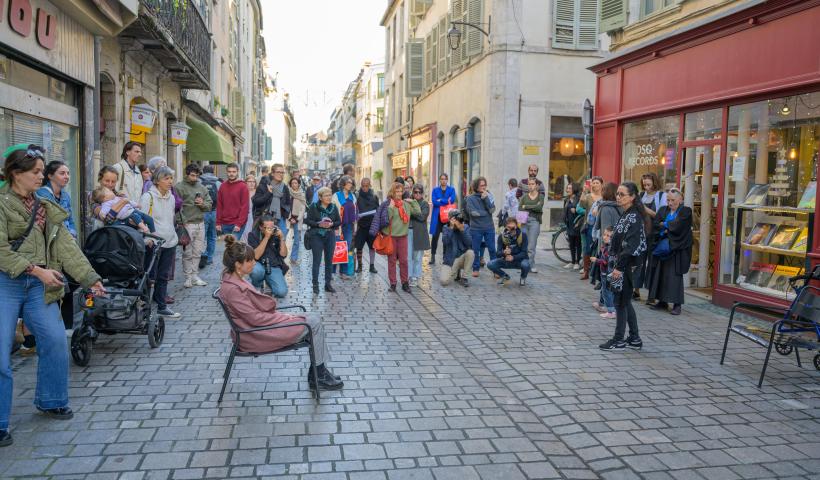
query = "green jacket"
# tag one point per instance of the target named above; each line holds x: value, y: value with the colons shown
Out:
x: 399, y: 228
x: 57, y: 249
x: 192, y: 213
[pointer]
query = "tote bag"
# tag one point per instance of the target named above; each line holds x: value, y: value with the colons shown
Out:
x: 444, y: 212
x: 340, y: 253
x: 384, y: 243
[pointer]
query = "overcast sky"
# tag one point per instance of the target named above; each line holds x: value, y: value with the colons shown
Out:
x: 317, y: 47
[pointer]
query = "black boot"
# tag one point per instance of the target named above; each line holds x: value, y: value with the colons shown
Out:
x: 315, y: 288
x: 405, y: 286
x: 5, y: 438
x: 358, y: 261
x: 373, y: 268
x: 329, y: 288
x: 326, y: 379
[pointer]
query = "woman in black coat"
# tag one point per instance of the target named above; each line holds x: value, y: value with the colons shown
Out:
x: 628, y: 244
x: 323, y: 219
x: 665, y: 275
x: 571, y: 212
x: 367, y: 203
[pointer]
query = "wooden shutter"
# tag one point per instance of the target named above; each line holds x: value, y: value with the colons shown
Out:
x: 563, y: 32
x: 434, y: 55
x: 428, y: 60
x: 414, y: 68
x: 587, y: 25
x: 613, y: 15
x: 474, y: 39
x: 442, y: 48
x: 238, y: 109
x: 456, y: 8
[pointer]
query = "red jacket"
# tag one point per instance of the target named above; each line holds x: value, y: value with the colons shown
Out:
x: 232, y: 203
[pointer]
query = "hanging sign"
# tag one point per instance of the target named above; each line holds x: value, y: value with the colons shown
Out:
x: 179, y: 133
x: 142, y: 118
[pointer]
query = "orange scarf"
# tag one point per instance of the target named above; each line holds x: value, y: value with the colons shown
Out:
x: 399, y: 204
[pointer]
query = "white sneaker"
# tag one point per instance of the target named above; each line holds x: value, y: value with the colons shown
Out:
x: 200, y: 282
x: 533, y: 270
x: 568, y: 266
x: 577, y: 266
x: 188, y: 283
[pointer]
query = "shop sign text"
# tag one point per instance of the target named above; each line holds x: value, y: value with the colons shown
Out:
x: 643, y: 154
x: 22, y: 20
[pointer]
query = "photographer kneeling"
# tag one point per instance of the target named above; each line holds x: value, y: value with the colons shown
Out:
x: 458, y: 252
x: 512, y: 253
x: 270, y: 251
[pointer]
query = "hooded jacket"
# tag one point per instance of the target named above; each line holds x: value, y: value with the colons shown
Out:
x: 55, y: 246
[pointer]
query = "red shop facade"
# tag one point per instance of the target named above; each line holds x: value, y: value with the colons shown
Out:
x: 729, y: 112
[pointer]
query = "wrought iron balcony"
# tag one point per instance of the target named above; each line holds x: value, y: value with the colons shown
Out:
x: 175, y: 33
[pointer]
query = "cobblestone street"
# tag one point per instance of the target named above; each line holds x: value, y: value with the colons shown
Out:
x: 485, y: 383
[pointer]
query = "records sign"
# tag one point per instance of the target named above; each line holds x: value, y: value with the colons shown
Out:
x: 647, y: 154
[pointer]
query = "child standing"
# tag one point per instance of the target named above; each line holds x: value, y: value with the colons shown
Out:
x: 606, y: 303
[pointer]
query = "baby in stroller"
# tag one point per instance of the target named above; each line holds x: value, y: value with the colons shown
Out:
x: 124, y: 211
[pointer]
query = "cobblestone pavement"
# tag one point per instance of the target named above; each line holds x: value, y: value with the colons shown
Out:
x: 486, y: 383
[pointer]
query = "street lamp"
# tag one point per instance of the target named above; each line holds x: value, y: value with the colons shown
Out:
x: 454, y: 34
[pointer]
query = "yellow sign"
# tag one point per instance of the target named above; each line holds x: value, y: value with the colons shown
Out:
x: 532, y: 150
x: 400, y: 160
x: 179, y: 133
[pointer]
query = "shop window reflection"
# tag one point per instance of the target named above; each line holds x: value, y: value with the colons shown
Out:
x: 650, y: 146
x: 567, y: 158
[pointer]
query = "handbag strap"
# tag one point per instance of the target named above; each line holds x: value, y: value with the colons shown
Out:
x: 16, y: 244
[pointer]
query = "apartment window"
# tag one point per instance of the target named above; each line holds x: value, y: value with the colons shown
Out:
x: 648, y: 7
x: 393, y: 44
x: 575, y: 25
x: 380, y: 119
x: 380, y: 86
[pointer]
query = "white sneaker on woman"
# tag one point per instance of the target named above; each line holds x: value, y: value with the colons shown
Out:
x: 199, y: 282
x: 568, y: 266
x: 577, y: 266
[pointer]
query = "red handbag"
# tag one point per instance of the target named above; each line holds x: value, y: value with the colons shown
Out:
x: 444, y: 212
x: 384, y: 243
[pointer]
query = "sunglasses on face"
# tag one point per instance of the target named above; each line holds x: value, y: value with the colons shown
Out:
x: 35, y: 152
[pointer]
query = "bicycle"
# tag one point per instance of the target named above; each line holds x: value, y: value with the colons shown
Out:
x: 560, y: 245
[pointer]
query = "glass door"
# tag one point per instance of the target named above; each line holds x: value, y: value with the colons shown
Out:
x: 699, y: 183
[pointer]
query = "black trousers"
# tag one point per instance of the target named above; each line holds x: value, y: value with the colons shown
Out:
x: 322, y: 246
x: 161, y: 273
x: 624, y: 311
x: 67, y: 303
x: 575, y: 248
x: 436, y: 235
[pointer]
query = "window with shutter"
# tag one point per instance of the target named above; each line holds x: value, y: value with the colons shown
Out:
x: 464, y: 33
x: 434, y: 55
x: 613, y: 15
x: 237, y: 109
x: 474, y: 38
x: 414, y: 68
x: 456, y: 9
x: 575, y: 25
x: 442, y: 48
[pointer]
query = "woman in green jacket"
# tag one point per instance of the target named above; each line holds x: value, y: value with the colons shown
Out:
x: 35, y: 248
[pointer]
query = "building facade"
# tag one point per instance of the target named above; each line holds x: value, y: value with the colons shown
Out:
x: 508, y: 95
x: 370, y: 123
x: 709, y: 102
x: 281, y: 126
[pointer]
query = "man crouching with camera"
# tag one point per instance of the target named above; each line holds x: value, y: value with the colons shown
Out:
x: 269, y: 247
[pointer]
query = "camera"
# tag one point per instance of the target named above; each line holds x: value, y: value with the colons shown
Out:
x: 266, y: 264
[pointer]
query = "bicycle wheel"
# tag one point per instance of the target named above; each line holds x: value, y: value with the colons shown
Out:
x: 560, y: 246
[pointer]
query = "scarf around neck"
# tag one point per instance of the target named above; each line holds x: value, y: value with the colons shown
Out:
x: 399, y: 204
x: 278, y: 191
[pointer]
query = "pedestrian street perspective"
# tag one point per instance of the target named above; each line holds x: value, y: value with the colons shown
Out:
x: 409, y: 239
x: 482, y: 382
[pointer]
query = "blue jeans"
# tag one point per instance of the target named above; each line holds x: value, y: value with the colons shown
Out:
x: 276, y: 280
x: 297, y: 241
x: 347, y: 232
x: 410, y: 252
x: 488, y: 237
x: 497, y: 266
x: 210, y: 235
x: 226, y: 229
x: 135, y: 218
x: 607, y: 297
x: 24, y: 297
x: 415, y: 263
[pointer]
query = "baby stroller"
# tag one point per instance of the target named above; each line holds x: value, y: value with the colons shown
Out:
x: 118, y: 255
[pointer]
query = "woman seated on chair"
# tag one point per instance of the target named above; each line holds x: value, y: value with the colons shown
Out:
x: 250, y: 308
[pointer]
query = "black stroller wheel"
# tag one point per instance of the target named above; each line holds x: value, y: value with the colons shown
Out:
x: 81, y: 348
x: 156, y: 331
x: 783, y: 348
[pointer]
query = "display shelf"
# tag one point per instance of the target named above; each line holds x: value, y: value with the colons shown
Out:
x: 778, y: 251
x: 773, y: 209
x: 766, y: 290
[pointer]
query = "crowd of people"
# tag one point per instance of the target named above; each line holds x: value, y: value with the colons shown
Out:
x: 620, y: 239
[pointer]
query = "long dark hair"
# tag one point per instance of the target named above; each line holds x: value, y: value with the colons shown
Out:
x: 638, y: 205
x: 609, y: 191
x: 262, y: 219
x: 52, y: 168
x: 235, y: 252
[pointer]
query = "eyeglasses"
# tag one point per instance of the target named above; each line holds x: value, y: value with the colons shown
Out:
x: 279, y: 172
x: 621, y: 194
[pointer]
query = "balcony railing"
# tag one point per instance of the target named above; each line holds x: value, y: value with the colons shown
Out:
x: 175, y: 32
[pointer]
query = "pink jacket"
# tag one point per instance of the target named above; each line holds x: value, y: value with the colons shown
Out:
x: 250, y: 309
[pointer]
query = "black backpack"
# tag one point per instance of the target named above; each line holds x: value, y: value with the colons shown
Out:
x: 211, y: 185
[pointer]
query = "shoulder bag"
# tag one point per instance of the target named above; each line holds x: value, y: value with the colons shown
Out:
x: 183, y: 237
x: 384, y: 243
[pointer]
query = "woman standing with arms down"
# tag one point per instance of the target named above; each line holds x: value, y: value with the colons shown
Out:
x: 628, y: 244
x: 673, y: 225
x: 35, y: 249
x: 297, y: 215
x: 653, y: 199
x: 366, y: 204
x: 573, y: 209
x: 532, y: 202
x: 323, y: 219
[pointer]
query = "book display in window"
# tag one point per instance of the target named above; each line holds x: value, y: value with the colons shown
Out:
x: 809, y: 197
x: 784, y: 237
x: 780, y: 278
x: 760, y: 234
x: 757, y: 195
x: 802, y: 241
x: 760, y: 274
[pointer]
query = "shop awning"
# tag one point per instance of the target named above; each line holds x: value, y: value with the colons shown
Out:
x: 205, y: 145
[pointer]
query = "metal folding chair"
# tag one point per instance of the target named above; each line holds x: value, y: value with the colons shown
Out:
x: 306, y: 342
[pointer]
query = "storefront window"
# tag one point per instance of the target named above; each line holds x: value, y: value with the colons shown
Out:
x: 58, y: 140
x: 651, y: 146
x: 704, y: 125
x: 568, y: 162
x: 771, y: 183
x: 21, y: 76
